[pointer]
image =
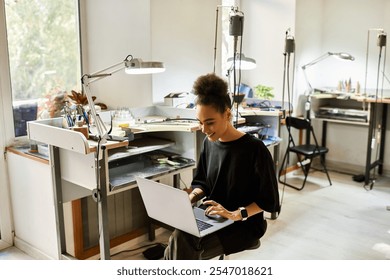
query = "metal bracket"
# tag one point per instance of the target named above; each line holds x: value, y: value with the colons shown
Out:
x: 96, y: 195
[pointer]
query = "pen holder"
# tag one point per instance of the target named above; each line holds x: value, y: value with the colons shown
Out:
x: 81, y: 128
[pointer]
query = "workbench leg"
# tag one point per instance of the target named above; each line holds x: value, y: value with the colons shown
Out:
x: 151, y: 230
x: 383, y: 139
x: 104, y: 237
x: 57, y: 192
x: 176, y: 181
x: 324, y: 137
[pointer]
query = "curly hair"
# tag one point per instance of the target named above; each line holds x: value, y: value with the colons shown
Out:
x: 212, y: 90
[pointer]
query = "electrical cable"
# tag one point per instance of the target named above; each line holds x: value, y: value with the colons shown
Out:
x: 215, y: 39
x: 289, y: 48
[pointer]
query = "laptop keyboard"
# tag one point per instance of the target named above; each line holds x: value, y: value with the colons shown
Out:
x: 202, y: 225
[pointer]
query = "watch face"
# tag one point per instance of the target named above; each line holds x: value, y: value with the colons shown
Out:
x: 244, y: 213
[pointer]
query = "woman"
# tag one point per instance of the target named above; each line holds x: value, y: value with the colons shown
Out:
x: 235, y: 172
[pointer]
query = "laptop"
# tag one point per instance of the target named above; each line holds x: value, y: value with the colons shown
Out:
x: 172, y: 206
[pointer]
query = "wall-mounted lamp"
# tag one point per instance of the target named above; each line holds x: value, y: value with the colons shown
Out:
x: 131, y: 66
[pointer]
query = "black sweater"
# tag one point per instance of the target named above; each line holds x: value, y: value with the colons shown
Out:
x: 235, y: 174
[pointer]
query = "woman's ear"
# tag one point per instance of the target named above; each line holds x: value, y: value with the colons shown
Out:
x: 228, y: 114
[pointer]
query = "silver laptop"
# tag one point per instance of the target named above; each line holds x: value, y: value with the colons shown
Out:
x: 173, y: 207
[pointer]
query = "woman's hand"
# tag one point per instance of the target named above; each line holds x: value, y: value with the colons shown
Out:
x: 215, y: 208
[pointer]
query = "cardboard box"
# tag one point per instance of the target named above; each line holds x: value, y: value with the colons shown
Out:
x: 176, y: 99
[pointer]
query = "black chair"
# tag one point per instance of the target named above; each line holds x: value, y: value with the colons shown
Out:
x: 305, y: 152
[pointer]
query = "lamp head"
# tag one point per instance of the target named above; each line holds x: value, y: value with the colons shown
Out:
x: 137, y: 66
x: 242, y: 62
x: 343, y: 55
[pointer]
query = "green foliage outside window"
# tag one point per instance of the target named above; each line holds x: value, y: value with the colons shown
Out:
x: 43, y: 44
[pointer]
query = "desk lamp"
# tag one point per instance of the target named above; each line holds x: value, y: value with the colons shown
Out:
x: 309, y: 92
x: 131, y: 66
x: 341, y: 55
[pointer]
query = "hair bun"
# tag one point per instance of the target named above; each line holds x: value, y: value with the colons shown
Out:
x: 212, y: 90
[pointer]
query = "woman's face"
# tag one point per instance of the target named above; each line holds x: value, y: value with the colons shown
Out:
x: 213, y: 123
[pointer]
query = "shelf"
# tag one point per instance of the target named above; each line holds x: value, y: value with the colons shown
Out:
x: 122, y: 172
x: 189, y: 126
x: 139, y: 146
x: 342, y: 121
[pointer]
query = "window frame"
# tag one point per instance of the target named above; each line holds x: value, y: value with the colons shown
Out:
x: 6, y: 135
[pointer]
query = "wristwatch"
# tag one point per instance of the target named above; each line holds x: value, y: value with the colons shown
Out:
x: 244, y: 213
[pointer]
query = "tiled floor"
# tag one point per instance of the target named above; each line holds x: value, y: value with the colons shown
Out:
x: 344, y: 221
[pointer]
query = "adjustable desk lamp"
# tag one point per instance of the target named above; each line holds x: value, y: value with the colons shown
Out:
x: 131, y: 66
x: 309, y: 92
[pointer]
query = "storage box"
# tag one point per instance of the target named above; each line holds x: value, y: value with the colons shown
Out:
x: 176, y: 99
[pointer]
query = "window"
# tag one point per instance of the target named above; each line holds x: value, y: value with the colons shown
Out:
x: 44, y: 56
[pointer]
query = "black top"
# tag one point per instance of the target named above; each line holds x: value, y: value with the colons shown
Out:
x: 235, y: 174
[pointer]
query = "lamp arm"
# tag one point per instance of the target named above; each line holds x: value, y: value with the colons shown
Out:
x: 310, y: 88
x: 105, y: 72
x: 102, y: 132
x: 87, y: 79
x: 315, y: 61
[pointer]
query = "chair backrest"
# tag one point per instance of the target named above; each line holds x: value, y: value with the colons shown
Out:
x: 298, y: 123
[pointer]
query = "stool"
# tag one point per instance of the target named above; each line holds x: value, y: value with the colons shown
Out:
x: 254, y: 246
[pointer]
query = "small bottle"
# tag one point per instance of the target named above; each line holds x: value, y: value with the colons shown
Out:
x: 358, y: 87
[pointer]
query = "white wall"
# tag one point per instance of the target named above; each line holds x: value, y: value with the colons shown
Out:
x: 265, y: 26
x: 115, y: 29
x: 181, y: 34
x: 183, y: 37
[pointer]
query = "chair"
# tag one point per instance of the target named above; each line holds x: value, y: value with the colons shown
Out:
x: 305, y: 152
x: 254, y: 246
